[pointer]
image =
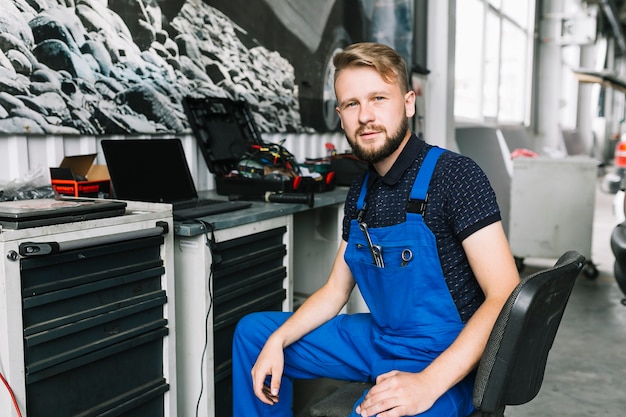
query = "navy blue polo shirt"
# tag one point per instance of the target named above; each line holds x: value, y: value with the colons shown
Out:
x: 460, y: 202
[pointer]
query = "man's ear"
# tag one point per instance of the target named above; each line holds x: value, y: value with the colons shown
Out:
x: 409, y: 103
x: 340, y: 119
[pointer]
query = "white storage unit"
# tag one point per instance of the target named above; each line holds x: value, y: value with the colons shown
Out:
x: 223, y: 275
x: 546, y: 203
x: 552, y: 206
x: 89, y: 328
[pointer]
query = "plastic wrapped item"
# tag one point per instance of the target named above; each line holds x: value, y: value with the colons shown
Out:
x: 33, y: 185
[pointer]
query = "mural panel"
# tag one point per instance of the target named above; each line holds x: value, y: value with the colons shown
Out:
x: 123, y: 66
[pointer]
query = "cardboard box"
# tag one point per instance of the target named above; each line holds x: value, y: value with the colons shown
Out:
x: 78, y: 176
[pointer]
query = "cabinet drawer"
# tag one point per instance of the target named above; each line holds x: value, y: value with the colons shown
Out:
x: 120, y: 377
x: 224, y: 327
x: 50, y: 348
x: 94, y: 329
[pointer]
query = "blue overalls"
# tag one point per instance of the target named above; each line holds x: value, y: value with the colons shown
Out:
x: 412, y: 318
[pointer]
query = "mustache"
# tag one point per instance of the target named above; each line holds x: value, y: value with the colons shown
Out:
x: 364, y: 128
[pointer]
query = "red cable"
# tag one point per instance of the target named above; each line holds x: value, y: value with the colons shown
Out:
x: 6, y: 384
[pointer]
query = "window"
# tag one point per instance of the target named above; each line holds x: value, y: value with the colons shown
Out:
x: 494, y: 42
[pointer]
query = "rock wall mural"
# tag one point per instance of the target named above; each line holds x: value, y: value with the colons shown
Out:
x: 123, y: 66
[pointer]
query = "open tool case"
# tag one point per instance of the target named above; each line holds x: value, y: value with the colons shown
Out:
x: 236, y: 154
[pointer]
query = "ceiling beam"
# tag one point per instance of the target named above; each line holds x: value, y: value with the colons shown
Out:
x: 610, y: 10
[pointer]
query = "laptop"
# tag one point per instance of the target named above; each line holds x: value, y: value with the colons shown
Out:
x: 21, y: 214
x: 156, y: 171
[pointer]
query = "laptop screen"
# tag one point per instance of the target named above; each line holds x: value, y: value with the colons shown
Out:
x: 152, y: 170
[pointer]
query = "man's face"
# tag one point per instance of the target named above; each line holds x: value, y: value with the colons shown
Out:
x: 374, y: 114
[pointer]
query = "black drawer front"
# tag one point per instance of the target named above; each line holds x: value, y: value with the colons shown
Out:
x: 81, y: 338
x: 67, y: 269
x: 252, y: 291
x: 232, y: 251
x: 112, y: 378
x: 94, y: 329
x: 241, y: 259
x: 225, y: 328
x: 248, y: 277
x: 58, y: 308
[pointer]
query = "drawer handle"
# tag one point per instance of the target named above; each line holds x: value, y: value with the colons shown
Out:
x: 47, y: 248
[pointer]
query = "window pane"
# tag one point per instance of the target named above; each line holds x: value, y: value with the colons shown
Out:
x: 493, y: 52
x: 491, y: 66
x: 517, y: 10
x: 513, y: 90
x: 468, y: 59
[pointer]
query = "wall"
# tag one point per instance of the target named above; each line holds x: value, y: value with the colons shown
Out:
x: 149, y: 55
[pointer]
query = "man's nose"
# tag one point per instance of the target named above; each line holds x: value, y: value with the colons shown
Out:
x: 366, y: 114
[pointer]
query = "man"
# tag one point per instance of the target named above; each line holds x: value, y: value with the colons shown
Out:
x: 423, y: 240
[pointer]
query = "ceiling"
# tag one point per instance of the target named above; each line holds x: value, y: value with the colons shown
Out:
x: 612, y: 20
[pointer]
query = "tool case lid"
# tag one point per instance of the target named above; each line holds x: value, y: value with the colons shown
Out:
x: 224, y: 129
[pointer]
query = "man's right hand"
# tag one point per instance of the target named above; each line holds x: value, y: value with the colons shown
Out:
x: 269, y: 363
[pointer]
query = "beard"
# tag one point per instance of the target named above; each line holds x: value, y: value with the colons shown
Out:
x: 392, y: 143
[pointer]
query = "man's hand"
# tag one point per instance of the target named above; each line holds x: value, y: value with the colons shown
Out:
x: 397, y: 394
x: 269, y: 363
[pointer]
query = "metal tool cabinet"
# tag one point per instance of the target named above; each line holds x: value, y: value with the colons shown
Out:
x: 222, y: 276
x: 88, y: 329
x: 236, y: 263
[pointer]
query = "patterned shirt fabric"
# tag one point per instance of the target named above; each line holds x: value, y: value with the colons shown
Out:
x: 461, y: 201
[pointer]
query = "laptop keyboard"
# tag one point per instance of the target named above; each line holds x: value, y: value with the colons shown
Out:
x: 207, y: 207
x: 181, y: 205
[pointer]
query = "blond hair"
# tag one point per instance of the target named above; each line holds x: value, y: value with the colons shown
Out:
x: 385, y: 60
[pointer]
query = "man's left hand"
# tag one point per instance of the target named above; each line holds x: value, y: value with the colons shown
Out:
x: 397, y: 394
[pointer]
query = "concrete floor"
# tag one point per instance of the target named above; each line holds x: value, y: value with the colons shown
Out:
x: 586, y: 371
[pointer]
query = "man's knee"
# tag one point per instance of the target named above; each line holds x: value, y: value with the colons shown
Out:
x: 258, y: 326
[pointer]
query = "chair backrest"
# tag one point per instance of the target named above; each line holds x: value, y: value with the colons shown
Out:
x: 512, y: 367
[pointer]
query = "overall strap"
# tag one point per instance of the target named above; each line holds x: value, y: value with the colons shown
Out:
x: 361, y: 201
x: 419, y: 192
x: 418, y: 197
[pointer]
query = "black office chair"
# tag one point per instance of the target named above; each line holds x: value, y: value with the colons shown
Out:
x: 512, y: 367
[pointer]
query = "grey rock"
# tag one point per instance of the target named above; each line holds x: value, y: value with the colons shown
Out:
x: 100, y: 55
x: 9, y: 101
x: 12, y: 21
x: 154, y: 106
x: 26, y: 112
x: 13, y: 83
x: 38, y: 87
x: 81, y: 120
x: 45, y: 28
x: 20, y: 62
x: 53, y: 104
x: 47, y: 75
x: 66, y: 16
x: 19, y: 125
x: 6, y: 62
x: 56, y: 55
x: 190, y: 70
x: 32, y: 104
x: 187, y: 46
x: 119, y: 123
x: 9, y: 42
